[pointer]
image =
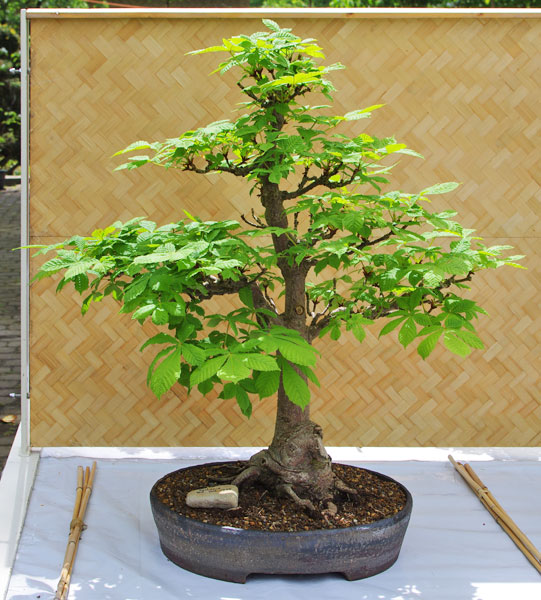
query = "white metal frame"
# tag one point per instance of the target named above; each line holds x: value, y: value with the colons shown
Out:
x: 25, y: 303
x: 277, y: 13
x: 15, y: 489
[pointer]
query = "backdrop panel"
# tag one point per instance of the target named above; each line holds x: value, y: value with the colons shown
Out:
x: 464, y: 92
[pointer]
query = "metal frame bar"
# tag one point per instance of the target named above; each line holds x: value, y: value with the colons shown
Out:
x: 25, y: 300
x: 277, y: 13
x: 15, y: 489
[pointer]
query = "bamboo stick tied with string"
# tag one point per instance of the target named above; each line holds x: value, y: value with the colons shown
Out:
x: 85, y: 481
x: 498, y: 513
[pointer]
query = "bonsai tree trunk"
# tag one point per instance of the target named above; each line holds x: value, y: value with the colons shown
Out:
x: 296, y: 463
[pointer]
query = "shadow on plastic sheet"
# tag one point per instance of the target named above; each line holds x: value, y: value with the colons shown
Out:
x: 268, y: 587
x: 257, y: 587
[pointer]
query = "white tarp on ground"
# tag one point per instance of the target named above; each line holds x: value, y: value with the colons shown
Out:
x: 453, y: 549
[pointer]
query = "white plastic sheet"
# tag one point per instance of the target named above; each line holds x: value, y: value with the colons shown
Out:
x: 453, y: 549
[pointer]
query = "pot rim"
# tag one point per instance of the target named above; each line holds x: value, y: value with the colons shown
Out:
x: 403, y: 513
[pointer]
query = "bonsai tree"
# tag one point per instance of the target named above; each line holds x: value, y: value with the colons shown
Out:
x: 325, y: 249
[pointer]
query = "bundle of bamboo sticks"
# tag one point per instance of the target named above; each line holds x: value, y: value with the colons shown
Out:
x: 85, y: 480
x: 499, y: 514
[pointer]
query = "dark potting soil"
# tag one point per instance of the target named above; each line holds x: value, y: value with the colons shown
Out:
x: 377, y: 499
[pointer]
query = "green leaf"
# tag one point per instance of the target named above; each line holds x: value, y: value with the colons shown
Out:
x: 176, y: 309
x: 267, y: 383
x: 335, y: 333
x: 205, y: 386
x: 454, y: 322
x: 275, y: 175
x: 80, y: 282
x: 160, y: 316
x: 193, y: 355
x: 271, y: 25
x: 245, y: 295
x: 470, y: 338
x: 440, y: 188
x: 358, y: 331
x: 454, y: 265
x: 353, y: 221
x: 428, y: 344
x: 165, y: 374
x: 391, y: 325
x: 309, y: 374
x: 136, y: 288
x: 243, y: 400
x: 407, y: 333
x: 299, y: 351
x: 423, y: 319
x: 434, y: 277
x: 79, y: 268
x: 361, y: 114
x: 260, y: 362
x: 160, y: 338
x: 207, y: 370
x: 453, y: 343
x: 139, y: 145
x: 229, y: 391
x: 55, y: 264
x: 294, y: 385
x: 143, y: 311
x: 234, y: 369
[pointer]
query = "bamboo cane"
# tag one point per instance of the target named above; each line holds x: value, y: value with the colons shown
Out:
x: 79, y: 491
x: 511, y: 524
x: 84, y: 489
x: 67, y: 580
x: 499, y: 514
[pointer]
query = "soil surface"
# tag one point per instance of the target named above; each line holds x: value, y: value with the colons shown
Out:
x: 377, y: 499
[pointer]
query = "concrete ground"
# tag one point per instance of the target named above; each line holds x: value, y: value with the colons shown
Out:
x: 10, y: 318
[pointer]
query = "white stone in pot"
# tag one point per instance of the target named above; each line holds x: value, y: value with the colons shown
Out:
x: 219, y: 496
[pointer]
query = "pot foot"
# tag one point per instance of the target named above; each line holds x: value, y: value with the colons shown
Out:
x: 367, y: 571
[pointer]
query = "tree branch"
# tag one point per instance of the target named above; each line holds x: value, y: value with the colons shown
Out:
x: 323, y: 179
x: 214, y: 286
x: 237, y: 171
x: 452, y: 280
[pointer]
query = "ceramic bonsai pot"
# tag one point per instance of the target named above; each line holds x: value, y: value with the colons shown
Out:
x: 231, y: 554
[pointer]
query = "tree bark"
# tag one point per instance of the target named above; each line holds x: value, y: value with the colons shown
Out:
x: 296, y: 461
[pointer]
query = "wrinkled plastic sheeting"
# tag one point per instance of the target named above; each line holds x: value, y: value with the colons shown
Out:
x: 453, y: 549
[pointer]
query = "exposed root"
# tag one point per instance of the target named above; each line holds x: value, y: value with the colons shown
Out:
x: 247, y: 475
x: 331, y: 510
x: 295, y: 465
x: 217, y: 479
x: 234, y: 472
x: 342, y: 487
x: 287, y: 490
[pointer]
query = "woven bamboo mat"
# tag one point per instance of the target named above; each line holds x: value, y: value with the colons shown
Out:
x: 465, y: 93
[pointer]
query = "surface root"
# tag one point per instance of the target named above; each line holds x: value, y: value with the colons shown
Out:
x: 246, y: 475
x: 287, y: 490
x: 342, y: 487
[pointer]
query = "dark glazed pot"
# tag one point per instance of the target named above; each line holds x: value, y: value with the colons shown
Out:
x: 232, y: 554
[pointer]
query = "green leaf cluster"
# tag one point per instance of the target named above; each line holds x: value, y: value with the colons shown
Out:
x: 328, y: 225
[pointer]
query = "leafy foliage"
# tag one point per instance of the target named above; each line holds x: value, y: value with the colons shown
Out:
x: 339, y: 247
x: 9, y: 98
x: 396, y: 3
x: 10, y: 65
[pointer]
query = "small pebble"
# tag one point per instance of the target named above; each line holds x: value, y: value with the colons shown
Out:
x: 219, y: 496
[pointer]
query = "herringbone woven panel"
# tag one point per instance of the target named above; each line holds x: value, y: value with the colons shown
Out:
x: 464, y: 93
